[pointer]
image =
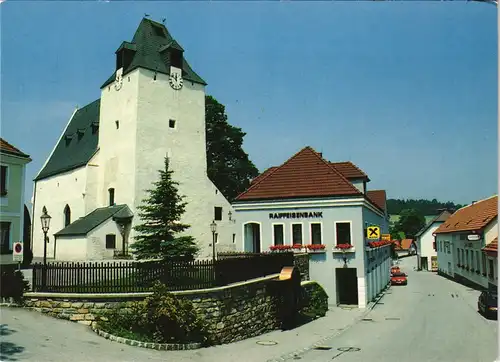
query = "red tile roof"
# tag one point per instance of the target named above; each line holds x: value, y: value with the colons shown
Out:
x: 6, y: 147
x: 350, y: 170
x: 305, y: 174
x: 471, y: 217
x: 492, y: 248
x: 406, y: 243
x: 263, y: 174
x: 377, y: 197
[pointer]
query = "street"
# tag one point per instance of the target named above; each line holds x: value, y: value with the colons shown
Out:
x: 430, y: 319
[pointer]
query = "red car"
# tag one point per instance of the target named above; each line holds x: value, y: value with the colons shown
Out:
x: 399, y: 278
x: 395, y: 269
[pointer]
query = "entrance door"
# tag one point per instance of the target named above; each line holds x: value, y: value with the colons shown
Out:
x: 252, y: 237
x: 347, y: 286
x: 425, y: 265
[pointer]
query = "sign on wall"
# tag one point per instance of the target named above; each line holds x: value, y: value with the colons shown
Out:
x: 373, y: 232
x: 295, y: 215
x: 386, y: 237
x: 17, y: 252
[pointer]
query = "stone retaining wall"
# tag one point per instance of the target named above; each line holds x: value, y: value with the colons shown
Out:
x: 301, y: 262
x: 234, y: 312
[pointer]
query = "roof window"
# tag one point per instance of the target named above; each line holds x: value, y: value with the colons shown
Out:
x: 68, y: 139
x: 80, y: 132
x: 159, y: 30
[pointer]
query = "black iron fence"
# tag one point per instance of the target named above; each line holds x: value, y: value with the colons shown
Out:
x: 122, y: 277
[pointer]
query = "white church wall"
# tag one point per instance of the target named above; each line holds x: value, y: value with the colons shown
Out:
x: 117, y: 142
x: 97, y: 241
x: 54, y: 193
x: 185, y: 144
x: 92, y: 186
x: 71, y: 248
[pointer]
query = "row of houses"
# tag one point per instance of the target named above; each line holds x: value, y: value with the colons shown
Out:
x: 462, y: 245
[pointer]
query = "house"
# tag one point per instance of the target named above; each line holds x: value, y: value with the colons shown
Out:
x: 426, y: 249
x: 408, y: 246
x: 151, y: 106
x: 490, y: 251
x: 12, y: 216
x: 462, y: 244
x: 322, y: 208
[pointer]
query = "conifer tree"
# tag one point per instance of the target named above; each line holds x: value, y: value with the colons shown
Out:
x: 158, y: 235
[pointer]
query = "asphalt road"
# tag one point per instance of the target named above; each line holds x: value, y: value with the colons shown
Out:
x: 430, y: 319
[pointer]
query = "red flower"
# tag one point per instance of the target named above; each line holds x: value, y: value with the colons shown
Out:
x: 280, y: 247
x: 315, y: 246
x: 297, y: 246
x: 343, y: 246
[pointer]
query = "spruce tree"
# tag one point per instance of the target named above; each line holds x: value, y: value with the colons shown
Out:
x: 157, y: 236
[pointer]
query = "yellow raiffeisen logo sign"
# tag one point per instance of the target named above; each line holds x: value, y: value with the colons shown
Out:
x: 373, y: 232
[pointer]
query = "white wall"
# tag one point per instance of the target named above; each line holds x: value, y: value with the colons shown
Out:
x: 71, y: 248
x: 54, y: 193
x: 446, y: 255
x: 185, y: 144
x: 425, y: 244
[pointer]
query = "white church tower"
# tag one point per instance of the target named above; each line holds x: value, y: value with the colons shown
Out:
x: 153, y: 105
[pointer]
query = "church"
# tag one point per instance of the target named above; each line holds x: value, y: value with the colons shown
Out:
x: 109, y: 154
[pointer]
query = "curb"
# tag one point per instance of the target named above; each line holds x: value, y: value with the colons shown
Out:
x: 298, y: 353
x: 150, y: 345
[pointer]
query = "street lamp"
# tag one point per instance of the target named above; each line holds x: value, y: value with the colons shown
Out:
x: 213, y: 227
x: 45, y: 219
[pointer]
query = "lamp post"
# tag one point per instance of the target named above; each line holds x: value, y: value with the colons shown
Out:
x: 213, y: 227
x: 45, y: 219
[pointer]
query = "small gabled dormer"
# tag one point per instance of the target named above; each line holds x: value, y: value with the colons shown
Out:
x: 173, y: 53
x: 68, y: 138
x: 79, y: 133
x: 125, y: 54
x: 95, y: 127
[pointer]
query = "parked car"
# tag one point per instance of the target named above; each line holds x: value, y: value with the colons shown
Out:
x: 487, y: 304
x: 399, y: 278
x: 395, y: 269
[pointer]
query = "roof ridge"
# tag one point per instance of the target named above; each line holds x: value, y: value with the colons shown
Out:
x: 327, y: 163
x: 270, y: 173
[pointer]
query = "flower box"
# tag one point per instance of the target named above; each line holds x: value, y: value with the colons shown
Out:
x: 378, y: 244
x: 315, y: 248
x: 344, y: 248
x: 280, y: 248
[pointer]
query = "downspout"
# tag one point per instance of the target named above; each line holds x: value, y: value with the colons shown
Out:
x: 33, y: 217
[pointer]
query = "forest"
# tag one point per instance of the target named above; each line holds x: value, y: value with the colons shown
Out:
x: 424, y: 207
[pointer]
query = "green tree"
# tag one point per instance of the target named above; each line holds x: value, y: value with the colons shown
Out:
x: 410, y: 222
x: 229, y: 167
x: 157, y: 236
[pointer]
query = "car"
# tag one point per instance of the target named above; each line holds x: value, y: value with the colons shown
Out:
x: 395, y: 269
x: 399, y: 278
x: 487, y: 304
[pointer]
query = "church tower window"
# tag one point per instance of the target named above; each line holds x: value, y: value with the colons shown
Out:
x: 67, y: 215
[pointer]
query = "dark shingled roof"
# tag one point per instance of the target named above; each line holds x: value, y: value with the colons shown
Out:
x: 150, y: 39
x: 84, y: 225
x: 78, y: 144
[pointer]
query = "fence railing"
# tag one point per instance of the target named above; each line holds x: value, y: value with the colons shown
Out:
x: 122, y: 277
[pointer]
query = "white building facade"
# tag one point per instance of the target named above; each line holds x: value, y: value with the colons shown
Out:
x: 317, y: 224
x: 111, y: 150
x: 427, y: 259
x: 460, y: 242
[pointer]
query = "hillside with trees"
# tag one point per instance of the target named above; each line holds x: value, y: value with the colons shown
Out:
x: 422, y: 206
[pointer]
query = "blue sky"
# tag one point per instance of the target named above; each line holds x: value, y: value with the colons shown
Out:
x: 405, y: 90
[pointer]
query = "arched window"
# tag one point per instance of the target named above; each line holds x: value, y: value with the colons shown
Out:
x: 111, y: 193
x: 67, y: 215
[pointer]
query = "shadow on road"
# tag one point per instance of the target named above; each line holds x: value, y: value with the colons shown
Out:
x: 8, y: 350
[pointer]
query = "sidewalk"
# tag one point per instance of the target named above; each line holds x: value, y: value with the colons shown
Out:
x: 279, y: 345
